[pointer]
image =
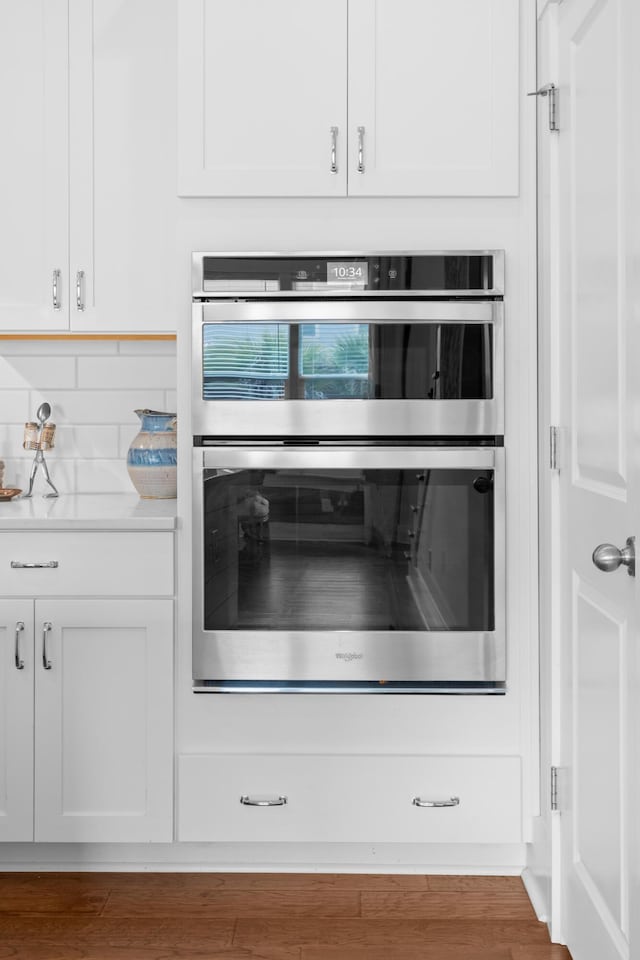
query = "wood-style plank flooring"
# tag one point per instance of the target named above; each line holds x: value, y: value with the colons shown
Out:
x: 243, y: 916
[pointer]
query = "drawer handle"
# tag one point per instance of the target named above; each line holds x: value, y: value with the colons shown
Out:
x: 452, y: 802
x: 263, y: 801
x: 48, y: 564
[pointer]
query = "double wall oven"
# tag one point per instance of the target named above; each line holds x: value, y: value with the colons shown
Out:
x: 348, y: 472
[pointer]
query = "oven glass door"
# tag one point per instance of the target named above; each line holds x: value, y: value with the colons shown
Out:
x: 333, y: 368
x: 364, y: 564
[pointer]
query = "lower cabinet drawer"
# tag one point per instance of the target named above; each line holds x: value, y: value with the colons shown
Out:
x: 413, y: 799
x: 86, y: 563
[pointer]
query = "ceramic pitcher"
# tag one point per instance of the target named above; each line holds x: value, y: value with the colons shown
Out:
x: 152, y: 456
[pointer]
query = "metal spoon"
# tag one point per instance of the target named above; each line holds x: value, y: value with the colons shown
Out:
x: 43, y: 413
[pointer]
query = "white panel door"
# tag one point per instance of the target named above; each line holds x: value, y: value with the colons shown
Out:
x: 262, y: 86
x: 433, y: 97
x: 123, y: 212
x: 33, y: 165
x: 16, y: 720
x: 104, y: 720
x: 598, y: 487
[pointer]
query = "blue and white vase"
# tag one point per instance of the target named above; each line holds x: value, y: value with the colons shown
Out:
x: 152, y: 457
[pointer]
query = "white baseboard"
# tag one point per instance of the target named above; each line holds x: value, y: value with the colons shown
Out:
x: 463, y: 859
x: 538, y: 893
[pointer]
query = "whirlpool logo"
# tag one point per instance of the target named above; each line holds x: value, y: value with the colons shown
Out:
x: 348, y: 657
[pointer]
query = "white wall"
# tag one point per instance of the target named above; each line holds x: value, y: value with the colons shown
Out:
x: 93, y: 387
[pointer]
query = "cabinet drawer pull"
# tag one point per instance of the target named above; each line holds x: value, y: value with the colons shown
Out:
x: 37, y: 565
x: 452, y: 802
x: 263, y: 801
x: 334, y: 146
x: 55, y: 290
x: 46, y: 663
x: 18, y: 658
x: 360, y: 149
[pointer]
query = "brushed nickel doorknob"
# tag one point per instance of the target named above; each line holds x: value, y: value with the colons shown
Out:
x: 608, y: 558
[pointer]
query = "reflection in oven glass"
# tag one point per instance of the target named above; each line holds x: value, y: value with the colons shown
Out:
x: 359, y: 361
x: 378, y: 549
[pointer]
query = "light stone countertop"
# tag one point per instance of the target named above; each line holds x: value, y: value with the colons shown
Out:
x: 86, y: 511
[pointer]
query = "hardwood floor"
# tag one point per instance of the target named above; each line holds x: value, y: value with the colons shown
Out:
x: 193, y: 916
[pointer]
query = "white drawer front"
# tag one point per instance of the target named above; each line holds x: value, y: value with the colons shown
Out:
x: 350, y: 799
x: 86, y: 564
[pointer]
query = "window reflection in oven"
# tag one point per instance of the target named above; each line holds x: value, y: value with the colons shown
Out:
x: 330, y: 361
x: 349, y: 549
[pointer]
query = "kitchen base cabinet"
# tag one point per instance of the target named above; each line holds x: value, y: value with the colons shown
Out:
x: 96, y: 691
x: 349, y: 799
x: 16, y: 720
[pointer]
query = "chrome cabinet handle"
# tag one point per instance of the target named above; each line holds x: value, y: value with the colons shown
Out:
x: 55, y: 290
x: 46, y: 663
x: 18, y: 658
x: 608, y: 558
x: 360, y: 149
x: 452, y: 802
x: 263, y: 801
x: 334, y: 147
x: 37, y: 565
x: 79, y: 290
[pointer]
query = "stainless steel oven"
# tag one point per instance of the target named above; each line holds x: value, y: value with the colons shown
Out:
x: 349, y: 567
x: 406, y: 345
x: 348, y: 473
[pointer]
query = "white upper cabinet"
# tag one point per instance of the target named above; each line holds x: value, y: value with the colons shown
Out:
x: 34, y: 199
x: 122, y: 61
x: 263, y: 108
x: 356, y: 97
x: 433, y: 97
x: 88, y: 165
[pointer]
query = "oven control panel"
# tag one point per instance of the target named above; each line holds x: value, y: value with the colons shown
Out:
x: 476, y: 273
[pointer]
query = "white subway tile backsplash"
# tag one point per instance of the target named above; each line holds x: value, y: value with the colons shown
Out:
x: 94, y: 388
x: 103, y: 476
x: 148, y: 348
x: 14, y: 406
x: 126, y: 373
x: 87, y: 442
x: 11, y: 437
x: 46, y: 372
x: 62, y: 472
x: 100, y: 406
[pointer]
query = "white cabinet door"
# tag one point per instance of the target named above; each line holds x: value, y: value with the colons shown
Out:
x: 16, y: 720
x: 33, y: 165
x: 262, y: 87
x: 122, y: 62
x: 104, y: 723
x: 433, y: 97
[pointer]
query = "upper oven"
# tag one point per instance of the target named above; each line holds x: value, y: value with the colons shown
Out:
x: 348, y: 345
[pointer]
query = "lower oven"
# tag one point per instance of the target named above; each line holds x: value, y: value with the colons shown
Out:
x: 332, y: 566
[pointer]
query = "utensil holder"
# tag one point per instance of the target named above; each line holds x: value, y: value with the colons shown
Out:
x: 39, y: 437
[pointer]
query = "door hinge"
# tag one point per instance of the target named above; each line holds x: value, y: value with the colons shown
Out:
x: 554, y: 788
x: 553, y: 448
x: 551, y: 91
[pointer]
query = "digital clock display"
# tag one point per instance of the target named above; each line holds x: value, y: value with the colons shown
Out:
x: 348, y: 271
